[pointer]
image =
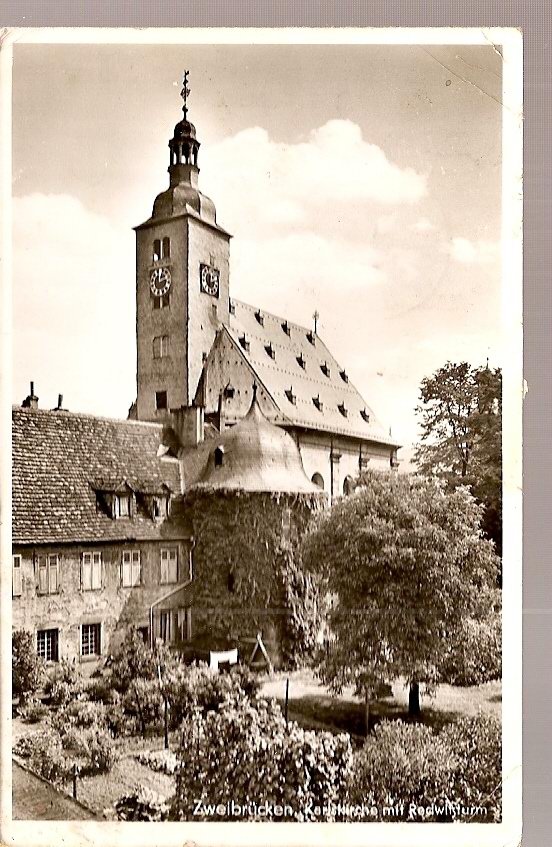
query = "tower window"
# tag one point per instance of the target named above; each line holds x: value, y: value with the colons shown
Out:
x: 156, y: 250
x: 160, y: 346
x: 231, y: 307
x: 231, y: 582
x: 162, y: 302
x: 161, y: 400
x: 166, y: 248
x: 219, y: 456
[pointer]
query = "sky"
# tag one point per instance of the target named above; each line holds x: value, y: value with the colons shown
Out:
x: 362, y: 181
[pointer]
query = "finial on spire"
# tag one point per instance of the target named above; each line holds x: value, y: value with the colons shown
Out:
x: 184, y: 93
x: 315, y: 316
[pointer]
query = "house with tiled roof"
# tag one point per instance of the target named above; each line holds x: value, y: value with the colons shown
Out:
x: 197, y: 347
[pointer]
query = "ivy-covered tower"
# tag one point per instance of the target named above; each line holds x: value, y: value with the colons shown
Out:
x: 182, y: 279
x: 248, y: 509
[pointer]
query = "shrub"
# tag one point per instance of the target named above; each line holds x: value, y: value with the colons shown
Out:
x: 454, y: 774
x: 23, y: 746
x: 32, y: 711
x: 65, y: 684
x: 246, y: 750
x: 401, y: 764
x: 475, y: 655
x: 144, y: 805
x: 133, y: 660
x: 102, y: 690
x: 191, y: 686
x: 28, y: 669
x: 477, y: 778
x: 93, y: 746
x: 46, y: 756
x: 143, y: 701
x: 164, y: 761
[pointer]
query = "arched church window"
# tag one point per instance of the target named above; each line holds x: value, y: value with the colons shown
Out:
x: 318, y: 480
x: 156, y: 250
x: 166, y: 251
x: 348, y: 486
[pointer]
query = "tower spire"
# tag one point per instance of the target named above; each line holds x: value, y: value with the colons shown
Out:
x: 185, y: 93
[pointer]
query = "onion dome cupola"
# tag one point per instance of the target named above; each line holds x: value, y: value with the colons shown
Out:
x: 183, y: 195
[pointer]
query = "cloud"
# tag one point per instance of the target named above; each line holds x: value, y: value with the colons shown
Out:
x: 472, y: 252
x: 73, y: 297
x: 328, y: 176
x: 423, y: 225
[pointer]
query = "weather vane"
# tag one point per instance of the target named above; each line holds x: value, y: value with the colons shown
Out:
x: 316, y: 315
x: 184, y: 93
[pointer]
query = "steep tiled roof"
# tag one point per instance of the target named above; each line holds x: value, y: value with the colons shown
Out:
x: 307, y: 384
x: 60, y: 458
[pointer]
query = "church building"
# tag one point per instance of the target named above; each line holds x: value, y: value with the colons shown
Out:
x: 200, y: 348
x: 182, y: 520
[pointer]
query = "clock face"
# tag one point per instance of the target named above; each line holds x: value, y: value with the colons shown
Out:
x: 209, y: 280
x: 160, y: 281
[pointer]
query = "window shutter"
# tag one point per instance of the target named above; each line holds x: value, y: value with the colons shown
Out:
x: 173, y: 566
x: 164, y: 566
x: 87, y: 571
x: 96, y: 570
x: 42, y: 575
x: 136, y: 567
x: 126, y: 568
x: 16, y: 576
x: 52, y: 574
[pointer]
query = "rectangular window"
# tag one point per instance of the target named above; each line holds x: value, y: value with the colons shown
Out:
x: 165, y: 625
x: 162, y: 302
x: 169, y: 565
x: 160, y: 346
x: 91, y: 639
x: 47, y: 644
x: 166, y: 248
x: 156, y: 250
x: 48, y: 574
x: 91, y: 571
x: 161, y: 400
x: 131, y: 568
x: 122, y: 505
x: 17, y: 582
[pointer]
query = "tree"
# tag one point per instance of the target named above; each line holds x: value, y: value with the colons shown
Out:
x: 461, y: 422
x: 405, y: 562
x: 28, y: 671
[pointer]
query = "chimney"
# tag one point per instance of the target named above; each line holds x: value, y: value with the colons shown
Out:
x: 30, y: 402
x: 187, y: 423
x: 59, y: 407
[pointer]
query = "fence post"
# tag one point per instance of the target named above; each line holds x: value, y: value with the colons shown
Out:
x: 75, y: 774
x: 287, y: 699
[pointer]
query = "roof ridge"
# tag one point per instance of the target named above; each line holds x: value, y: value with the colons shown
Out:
x: 277, y: 317
x: 86, y: 415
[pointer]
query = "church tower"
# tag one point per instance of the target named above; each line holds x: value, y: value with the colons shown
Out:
x: 182, y: 282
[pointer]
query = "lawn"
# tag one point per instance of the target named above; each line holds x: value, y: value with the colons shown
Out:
x: 312, y: 705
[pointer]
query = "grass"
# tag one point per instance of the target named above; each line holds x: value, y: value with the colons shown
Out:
x: 314, y: 707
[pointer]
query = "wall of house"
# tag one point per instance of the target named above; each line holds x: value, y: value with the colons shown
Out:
x: 244, y: 566
x: 114, y: 606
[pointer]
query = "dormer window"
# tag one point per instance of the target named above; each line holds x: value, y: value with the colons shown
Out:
x: 270, y: 350
x: 325, y: 369
x: 344, y: 376
x: 160, y: 507
x: 318, y: 403
x: 343, y: 409
x: 244, y: 343
x: 122, y: 506
x: 229, y: 391
x: 219, y: 457
x: 291, y: 396
x: 310, y: 338
x: 260, y: 317
x: 286, y: 328
x: 365, y: 416
x: 301, y: 361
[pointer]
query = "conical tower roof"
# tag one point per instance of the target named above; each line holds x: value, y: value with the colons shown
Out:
x: 256, y: 455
